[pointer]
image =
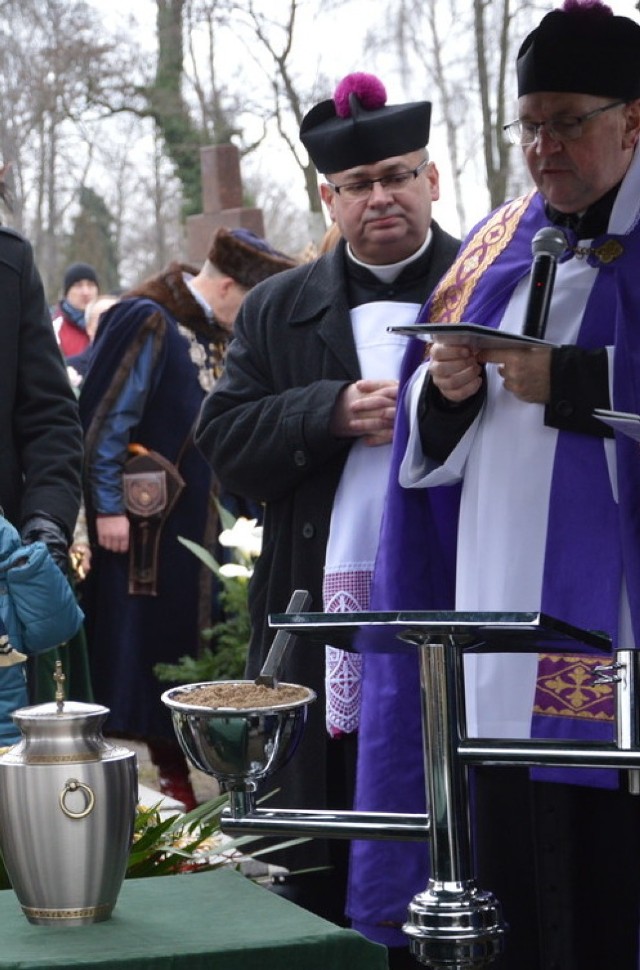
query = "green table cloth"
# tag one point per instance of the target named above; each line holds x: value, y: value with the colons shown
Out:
x: 216, y: 920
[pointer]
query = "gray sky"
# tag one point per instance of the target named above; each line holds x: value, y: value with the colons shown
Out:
x: 336, y: 52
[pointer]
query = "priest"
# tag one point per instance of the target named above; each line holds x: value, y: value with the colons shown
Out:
x: 507, y: 494
x: 302, y: 418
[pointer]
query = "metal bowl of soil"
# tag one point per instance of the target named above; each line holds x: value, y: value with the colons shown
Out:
x: 236, y: 730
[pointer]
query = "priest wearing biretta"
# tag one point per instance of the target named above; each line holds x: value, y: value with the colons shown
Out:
x: 302, y: 419
x: 507, y: 494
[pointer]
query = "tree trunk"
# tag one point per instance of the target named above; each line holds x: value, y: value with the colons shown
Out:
x: 183, y: 140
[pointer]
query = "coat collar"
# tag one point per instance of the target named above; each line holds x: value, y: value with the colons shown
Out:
x: 323, y: 289
x: 170, y: 291
x: 322, y: 295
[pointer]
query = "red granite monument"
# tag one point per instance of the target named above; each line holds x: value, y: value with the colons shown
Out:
x: 222, y: 201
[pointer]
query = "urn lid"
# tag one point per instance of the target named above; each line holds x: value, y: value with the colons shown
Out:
x: 60, y: 731
x: 57, y: 712
x: 54, y: 734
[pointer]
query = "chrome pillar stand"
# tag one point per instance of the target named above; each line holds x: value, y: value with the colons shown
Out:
x: 453, y: 924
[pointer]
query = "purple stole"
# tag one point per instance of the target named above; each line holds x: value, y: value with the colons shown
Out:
x: 415, y: 568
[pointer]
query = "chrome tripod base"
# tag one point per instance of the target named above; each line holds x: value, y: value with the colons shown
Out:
x: 455, y: 926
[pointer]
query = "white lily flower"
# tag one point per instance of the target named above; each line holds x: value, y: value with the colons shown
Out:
x: 233, y: 570
x: 246, y: 536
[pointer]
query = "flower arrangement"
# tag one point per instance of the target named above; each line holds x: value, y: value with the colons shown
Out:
x: 188, y: 843
x: 225, y: 659
x: 163, y: 846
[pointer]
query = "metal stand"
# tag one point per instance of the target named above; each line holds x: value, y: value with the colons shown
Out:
x: 454, y: 924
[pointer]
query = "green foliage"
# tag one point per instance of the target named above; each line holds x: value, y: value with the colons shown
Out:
x: 225, y: 659
x: 191, y: 843
x: 182, y: 137
x: 163, y: 846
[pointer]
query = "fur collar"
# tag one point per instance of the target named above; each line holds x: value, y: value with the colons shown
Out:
x: 170, y: 290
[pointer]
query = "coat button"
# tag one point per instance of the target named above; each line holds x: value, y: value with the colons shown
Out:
x: 308, y: 530
x: 300, y: 458
x: 565, y: 408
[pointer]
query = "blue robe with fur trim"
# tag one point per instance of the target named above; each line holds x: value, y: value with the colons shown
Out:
x: 129, y: 634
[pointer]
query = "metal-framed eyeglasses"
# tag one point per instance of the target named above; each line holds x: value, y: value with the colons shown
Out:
x: 394, y: 182
x: 567, y: 128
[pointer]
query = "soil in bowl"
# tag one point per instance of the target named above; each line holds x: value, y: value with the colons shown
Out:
x: 242, y: 695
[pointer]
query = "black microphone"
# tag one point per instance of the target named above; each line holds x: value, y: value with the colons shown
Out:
x: 547, y: 246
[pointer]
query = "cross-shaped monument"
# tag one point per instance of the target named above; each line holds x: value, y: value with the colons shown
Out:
x: 221, y: 201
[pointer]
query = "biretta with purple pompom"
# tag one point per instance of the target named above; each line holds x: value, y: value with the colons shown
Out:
x: 358, y: 127
x: 582, y: 48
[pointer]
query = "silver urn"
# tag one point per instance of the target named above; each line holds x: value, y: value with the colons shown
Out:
x: 67, y: 812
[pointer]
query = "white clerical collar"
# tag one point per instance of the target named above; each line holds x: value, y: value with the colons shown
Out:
x: 389, y: 272
x: 198, y: 297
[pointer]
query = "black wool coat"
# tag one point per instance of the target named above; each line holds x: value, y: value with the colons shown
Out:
x: 40, y: 432
x: 265, y: 431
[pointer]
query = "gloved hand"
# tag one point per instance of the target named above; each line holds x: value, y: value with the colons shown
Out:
x: 41, y: 527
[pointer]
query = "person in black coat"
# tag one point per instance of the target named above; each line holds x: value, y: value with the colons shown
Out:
x: 302, y: 392
x: 41, y: 435
x: 40, y: 469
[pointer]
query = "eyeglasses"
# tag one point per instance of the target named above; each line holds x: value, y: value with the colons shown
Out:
x: 526, y: 133
x: 395, y: 182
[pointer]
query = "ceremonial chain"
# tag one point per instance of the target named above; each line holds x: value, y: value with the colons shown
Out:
x: 607, y: 253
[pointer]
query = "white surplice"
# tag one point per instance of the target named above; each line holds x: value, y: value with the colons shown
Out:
x: 357, y: 508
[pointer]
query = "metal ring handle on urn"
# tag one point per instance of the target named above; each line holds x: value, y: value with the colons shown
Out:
x: 73, y: 785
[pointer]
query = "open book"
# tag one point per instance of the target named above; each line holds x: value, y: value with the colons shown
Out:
x: 472, y: 334
x: 628, y: 424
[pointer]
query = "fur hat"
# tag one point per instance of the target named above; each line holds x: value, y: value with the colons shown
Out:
x: 77, y: 272
x: 358, y: 127
x: 582, y: 48
x: 245, y: 257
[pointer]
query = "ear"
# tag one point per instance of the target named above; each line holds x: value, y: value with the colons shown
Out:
x: 328, y: 196
x: 631, y: 133
x: 224, y: 285
x: 433, y: 177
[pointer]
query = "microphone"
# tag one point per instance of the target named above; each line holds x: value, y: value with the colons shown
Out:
x: 547, y: 246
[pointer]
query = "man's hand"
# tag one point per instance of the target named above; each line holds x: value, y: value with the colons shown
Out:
x: 525, y: 373
x: 367, y: 410
x: 455, y: 370
x: 113, y: 532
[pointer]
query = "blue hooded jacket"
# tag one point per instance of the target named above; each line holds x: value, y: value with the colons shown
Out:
x: 38, y: 611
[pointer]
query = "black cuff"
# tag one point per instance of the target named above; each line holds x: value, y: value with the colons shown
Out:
x: 41, y: 527
x: 442, y: 423
x: 579, y: 383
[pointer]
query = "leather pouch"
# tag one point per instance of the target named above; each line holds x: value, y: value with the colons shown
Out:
x: 151, y: 487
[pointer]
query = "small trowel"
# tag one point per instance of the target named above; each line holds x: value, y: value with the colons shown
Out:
x: 283, y: 639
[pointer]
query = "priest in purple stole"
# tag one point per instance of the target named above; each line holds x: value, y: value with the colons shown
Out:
x: 506, y: 493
